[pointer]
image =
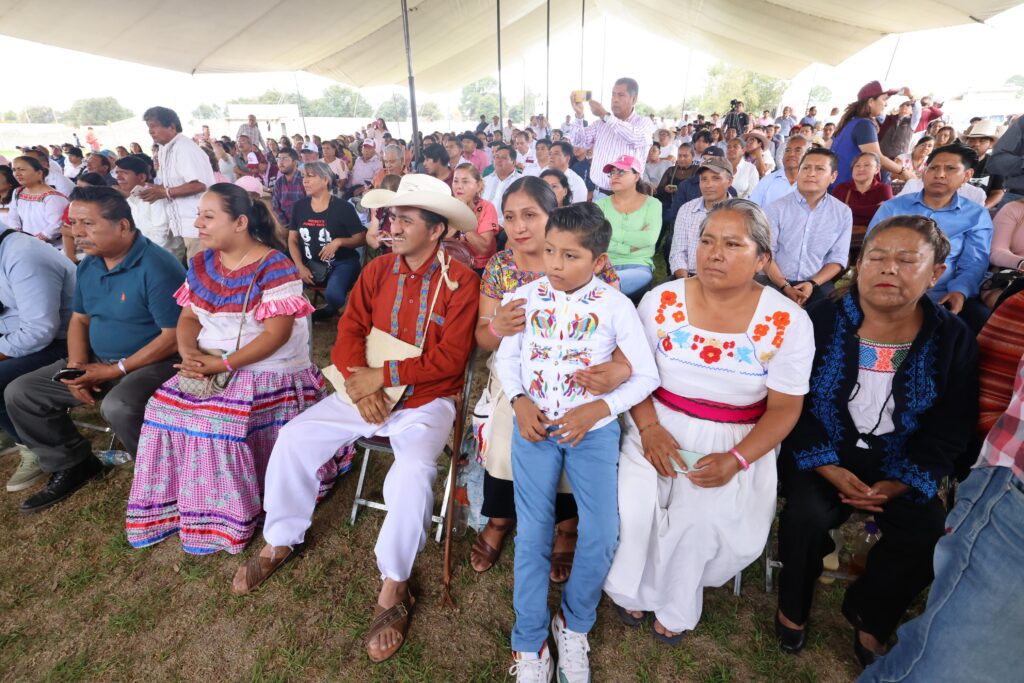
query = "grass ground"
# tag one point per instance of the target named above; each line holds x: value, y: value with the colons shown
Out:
x: 77, y: 603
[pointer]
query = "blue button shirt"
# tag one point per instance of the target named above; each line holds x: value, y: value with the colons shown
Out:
x: 773, y: 186
x: 131, y: 303
x: 37, y: 283
x: 969, y: 229
x: 805, y: 239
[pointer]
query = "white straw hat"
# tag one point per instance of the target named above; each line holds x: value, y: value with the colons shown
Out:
x: 422, y: 191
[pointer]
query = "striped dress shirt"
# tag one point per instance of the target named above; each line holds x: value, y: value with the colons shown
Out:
x: 610, y: 139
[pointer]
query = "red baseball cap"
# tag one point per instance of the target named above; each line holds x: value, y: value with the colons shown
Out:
x: 625, y: 163
x: 873, y: 89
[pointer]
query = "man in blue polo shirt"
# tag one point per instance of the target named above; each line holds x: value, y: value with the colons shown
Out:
x: 965, y: 223
x: 122, y: 334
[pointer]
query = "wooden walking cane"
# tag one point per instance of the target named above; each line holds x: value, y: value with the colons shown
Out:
x: 450, y: 514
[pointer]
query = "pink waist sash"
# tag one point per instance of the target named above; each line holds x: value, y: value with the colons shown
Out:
x: 710, y: 410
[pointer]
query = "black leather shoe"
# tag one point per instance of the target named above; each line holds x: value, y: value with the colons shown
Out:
x: 323, y: 314
x: 865, y: 656
x: 62, y: 484
x: 791, y: 640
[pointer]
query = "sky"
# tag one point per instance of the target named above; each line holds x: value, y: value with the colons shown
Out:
x: 945, y: 62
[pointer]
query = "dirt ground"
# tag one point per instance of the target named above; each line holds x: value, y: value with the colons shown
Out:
x: 77, y: 603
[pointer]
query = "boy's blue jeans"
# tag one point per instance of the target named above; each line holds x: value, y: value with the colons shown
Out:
x: 592, y: 468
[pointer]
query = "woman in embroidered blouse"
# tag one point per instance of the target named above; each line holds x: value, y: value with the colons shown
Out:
x: 201, y: 461
x: 36, y: 208
x: 697, y: 474
x: 893, y: 405
x: 525, y: 206
x: 8, y: 184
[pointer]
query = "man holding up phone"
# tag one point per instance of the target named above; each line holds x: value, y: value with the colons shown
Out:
x: 618, y: 132
x: 121, y: 334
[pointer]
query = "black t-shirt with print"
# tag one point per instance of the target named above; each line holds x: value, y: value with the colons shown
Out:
x: 317, y: 229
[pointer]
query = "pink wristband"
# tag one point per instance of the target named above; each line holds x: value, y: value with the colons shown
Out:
x: 743, y: 461
x: 490, y: 326
x: 231, y: 369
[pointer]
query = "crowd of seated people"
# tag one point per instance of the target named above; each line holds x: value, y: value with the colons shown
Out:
x: 688, y: 323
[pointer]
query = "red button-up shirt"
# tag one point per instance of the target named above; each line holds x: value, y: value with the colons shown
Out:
x: 394, y: 299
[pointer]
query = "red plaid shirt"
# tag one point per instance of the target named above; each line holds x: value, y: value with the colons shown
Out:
x: 1004, y: 445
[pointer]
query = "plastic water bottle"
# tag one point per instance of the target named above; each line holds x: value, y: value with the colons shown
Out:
x: 114, y: 458
x: 460, y: 515
x: 862, y: 546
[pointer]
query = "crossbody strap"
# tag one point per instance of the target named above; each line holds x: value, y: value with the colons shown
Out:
x: 245, y: 303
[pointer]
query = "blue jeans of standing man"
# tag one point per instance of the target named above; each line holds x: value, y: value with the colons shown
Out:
x: 971, y: 629
x: 339, y: 283
x: 633, y: 277
x: 592, y: 468
x: 13, y: 368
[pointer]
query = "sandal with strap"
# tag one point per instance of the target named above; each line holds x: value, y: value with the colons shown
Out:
x: 395, y: 618
x: 482, y: 550
x: 562, y: 561
x: 258, y: 569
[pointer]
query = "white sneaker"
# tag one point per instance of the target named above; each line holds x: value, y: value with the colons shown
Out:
x: 28, y: 473
x: 573, y: 649
x: 532, y: 668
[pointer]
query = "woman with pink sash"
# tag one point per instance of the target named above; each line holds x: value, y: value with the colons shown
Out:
x: 697, y: 479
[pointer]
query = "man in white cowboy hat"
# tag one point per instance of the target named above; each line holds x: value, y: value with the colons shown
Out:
x: 981, y: 137
x: 414, y: 297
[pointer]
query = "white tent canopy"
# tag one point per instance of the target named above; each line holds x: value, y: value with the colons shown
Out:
x: 360, y: 42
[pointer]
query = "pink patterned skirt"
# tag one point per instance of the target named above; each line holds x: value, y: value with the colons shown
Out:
x: 201, y: 462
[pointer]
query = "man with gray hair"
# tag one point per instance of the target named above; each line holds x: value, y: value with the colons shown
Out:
x: 782, y: 181
x: 251, y: 129
x: 394, y: 164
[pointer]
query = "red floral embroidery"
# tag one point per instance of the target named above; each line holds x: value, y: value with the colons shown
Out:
x: 659, y: 318
x: 780, y: 318
x: 678, y: 316
x: 668, y: 297
x: 666, y: 344
x: 710, y: 354
x: 760, y: 331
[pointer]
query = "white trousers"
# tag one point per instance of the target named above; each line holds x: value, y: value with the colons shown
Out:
x: 418, y: 436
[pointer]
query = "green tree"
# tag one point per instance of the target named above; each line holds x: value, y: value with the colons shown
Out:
x: 430, y: 111
x: 820, y: 94
x: 96, y: 110
x: 37, y: 114
x: 9, y: 116
x: 643, y: 109
x: 1017, y: 80
x: 395, y: 108
x: 725, y: 83
x: 337, y: 100
x: 275, y: 97
x: 481, y: 97
x: 207, y: 111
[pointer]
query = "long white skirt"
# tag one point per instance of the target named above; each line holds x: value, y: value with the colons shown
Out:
x: 676, y: 538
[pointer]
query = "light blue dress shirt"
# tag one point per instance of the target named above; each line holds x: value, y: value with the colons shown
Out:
x: 969, y: 229
x: 773, y: 186
x: 805, y: 239
x: 37, y: 283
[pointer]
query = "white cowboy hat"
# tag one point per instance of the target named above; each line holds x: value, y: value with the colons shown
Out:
x: 984, y: 129
x: 422, y: 191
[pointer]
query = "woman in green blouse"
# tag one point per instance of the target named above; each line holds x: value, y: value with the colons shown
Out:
x: 636, y: 222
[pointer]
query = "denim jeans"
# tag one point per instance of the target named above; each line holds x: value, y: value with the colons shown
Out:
x: 13, y: 368
x: 339, y: 283
x: 971, y: 629
x: 592, y: 468
x: 633, y: 277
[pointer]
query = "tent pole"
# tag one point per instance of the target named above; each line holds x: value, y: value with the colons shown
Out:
x: 501, y: 102
x: 893, y: 57
x: 302, y: 110
x: 547, y: 69
x: 583, y: 19
x: 412, y: 83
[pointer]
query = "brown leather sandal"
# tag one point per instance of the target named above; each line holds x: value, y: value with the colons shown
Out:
x: 395, y: 618
x: 482, y: 550
x: 562, y: 561
x: 258, y: 569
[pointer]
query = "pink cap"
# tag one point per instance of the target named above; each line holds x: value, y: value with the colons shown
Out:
x: 250, y: 184
x: 625, y: 163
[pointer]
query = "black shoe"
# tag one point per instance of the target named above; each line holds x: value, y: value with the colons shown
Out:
x: 865, y: 656
x: 62, y: 484
x: 322, y: 314
x: 791, y: 640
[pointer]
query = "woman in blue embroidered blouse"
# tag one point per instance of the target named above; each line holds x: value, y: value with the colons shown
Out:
x: 893, y: 401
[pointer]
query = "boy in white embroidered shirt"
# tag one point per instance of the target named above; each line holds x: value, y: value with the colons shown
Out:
x: 573, y: 321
